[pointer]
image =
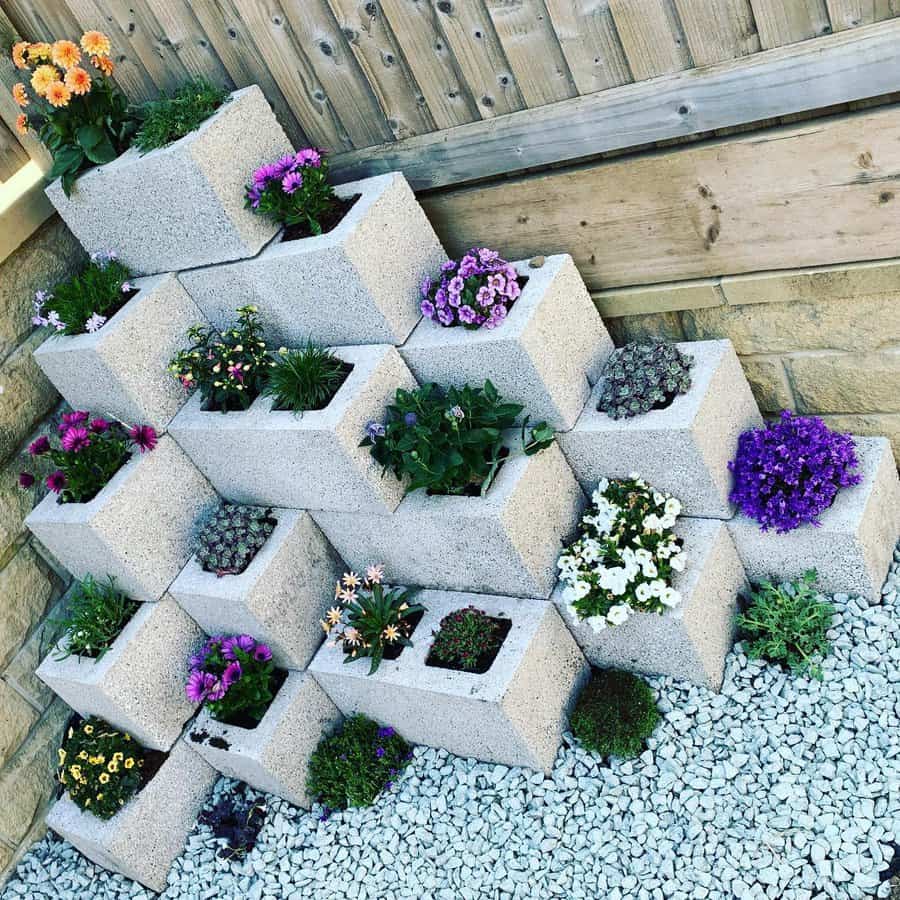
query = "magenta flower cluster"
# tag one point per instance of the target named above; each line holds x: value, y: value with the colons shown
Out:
x: 790, y: 471
x: 285, y: 174
x: 476, y: 291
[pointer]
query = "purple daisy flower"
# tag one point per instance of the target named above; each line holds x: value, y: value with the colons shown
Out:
x: 74, y: 418
x: 56, y: 481
x: 232, y: 673
x: 40, y: 446
x: 197, y: 685
x: 26, y: 479
x: 243, y: 642
x: 309, y: 156
x: 216, y: 690
x: 284, y: 165
x: 98, y: 426
x: 75, y: 439
x: 262, y: 653
x: 292, y: 182
x: 144, y: 437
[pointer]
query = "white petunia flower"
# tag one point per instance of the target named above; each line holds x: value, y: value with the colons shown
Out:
x: 618, y: 614
x: 678, y: 562
x: 670, y: 597
x: 643, y: 592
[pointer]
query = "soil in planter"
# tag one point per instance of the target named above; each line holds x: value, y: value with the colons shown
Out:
x: 209, y: 406
x: 332, y: 220
x: 393, y: 651
x: 346, y: 369
x: 473, y: 489
x: 485, y: 661
x: 242, y: 719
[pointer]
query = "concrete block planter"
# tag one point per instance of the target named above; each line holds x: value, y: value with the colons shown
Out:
x: 120, y: 370
x: 137, y: 529
x: 138, y: 684
x: 506, y: 542
x: 356, y: 284
x: 546, y: 355
x: 279, y: 598
x: 268, y: 457
x: 512, y: 714
x: 690, y: 641
x: 683, y: 449
x: 851, y: 550
x: 142, y: 840
x: 274, y: 756
x: 182, y: 205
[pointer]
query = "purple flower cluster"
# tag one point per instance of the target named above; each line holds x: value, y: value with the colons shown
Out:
x: 477, y: 291
x: 789, y: 472
x: 217, y: 666
x: 286, y: 172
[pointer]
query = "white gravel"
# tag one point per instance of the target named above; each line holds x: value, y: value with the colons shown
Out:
x: 779, y: 787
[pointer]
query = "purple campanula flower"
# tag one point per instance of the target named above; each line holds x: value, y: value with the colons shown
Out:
x: 126, y: 287
x: 379, y: 752
x: 386, y: 732
x: 40, y: 446
x: 496, y: 282
x: 468, y: 266
x: 455, y: 285
x: 292, y: 182
x: 56, y: 481
x: 448, y: 266
x: 76, y: 438
x: 374, y: 430
x: 426, y: 307
x: 513, y: 291
x: 410, y: 418
x: 440, y: 297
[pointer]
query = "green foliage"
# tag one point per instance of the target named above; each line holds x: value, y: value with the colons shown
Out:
x: 101, y: 769
x: 167, y: 119
x: 305, y: 379
x: 96, y: 615
x: 641, y: 377
x: 787, y: 624
x: 231, y: 538
x: 347, y: 769
x: 249, y: 676
x: 449, y: 440
x: 465, y: 636
x: 614, y: 714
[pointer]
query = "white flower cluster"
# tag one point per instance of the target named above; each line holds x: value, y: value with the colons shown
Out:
x: 625, y: 556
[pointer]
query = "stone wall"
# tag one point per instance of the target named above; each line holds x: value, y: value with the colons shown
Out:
x: 31, y: 720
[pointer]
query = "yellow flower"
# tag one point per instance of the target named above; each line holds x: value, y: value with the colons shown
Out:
x: 351, y: 580
x: 97, y: 760
x: 391, y: 633
x: 88, y: 729
x: 75, y: 771
x: 83, y: 755
x: 87, y: 802
x: 333, y: 615
x: 95, y: 43
x: 39, y: 51
x: 58, y: 94
x: 18, y: 54
x: 104, y: 778
x: 325, y: 626
x: 118, y: 756
x: 62, y: 755
x: 22, y: 123
x: 19, y: 94
x: 129, y: 763
x: 103, y: 63
x: 78, y: 81
x: 43, y: 77
x: 65, y: 54
x: 100, y: 796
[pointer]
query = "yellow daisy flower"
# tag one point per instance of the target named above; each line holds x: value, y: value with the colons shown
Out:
x: 22, y: 123
x: 65, y: 54
x: 333, y: 615
x: 19, y: 94
x: 39, y: 51
x: 104, y: 64
x: 391, y: 633
x: 58, y: 94
x: 18, y: 54
x: 43, y: 77
x: 78, y: 81
x: 95, y: 43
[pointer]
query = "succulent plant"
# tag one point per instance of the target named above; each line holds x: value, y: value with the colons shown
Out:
x: 641, y: 377
x: 232, y: 537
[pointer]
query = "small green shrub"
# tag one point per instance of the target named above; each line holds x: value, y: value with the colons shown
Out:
x: 355, y: 764
x: 465, y: 637
x: 231, y: 538
x: 614, y: 714
x: 787, y: 624
x: 97, y: 614
x: 305, y: 379
x: 167, y: 119
x: 641, y: 377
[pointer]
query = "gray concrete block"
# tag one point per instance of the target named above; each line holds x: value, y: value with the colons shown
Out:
x: 142, y: 840
x: 138, y: 684
x: 182, y: 205
x: 690, y: 641
x: 683, y: 449
x: 279, y: 598
x: 506, y: 542
x: 121, y: 370
x: 546, y: 355
x: 852, y: 548
x: 274, y: 756
x: 356, y: 284
x: 139, y: 528
x: 312, y: 460
x: 513, y: 714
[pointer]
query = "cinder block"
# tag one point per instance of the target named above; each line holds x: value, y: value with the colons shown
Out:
x: 852, y: 548
x: 273, y: 756
x: 683, y: 449
x: 121, y: 370
x: 181, y: 205
x: 312, y: 460
x: 142, y: 840
x: 356, y: 284
x: 139, y: 527
x: 279, y: 598
x: 506, y: 542
x: 513, y: 714
x: 546, y: 354
x: 690, y: 641
x: 138, y: 684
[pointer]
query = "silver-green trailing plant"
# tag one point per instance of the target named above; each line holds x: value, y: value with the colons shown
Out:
x: 641, y: 377
x: 231, y: 538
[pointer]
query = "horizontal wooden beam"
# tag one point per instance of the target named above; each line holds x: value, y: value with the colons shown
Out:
x: 838, y: 68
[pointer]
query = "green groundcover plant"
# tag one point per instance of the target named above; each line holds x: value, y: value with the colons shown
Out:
x: 466, y: 638
x: 96, y: 614
x: 614, y: 714
x: 166, y: 119
x: 305, y: 379
x: 232, y: 536
x: 787, y: 624
x: 352, y: 766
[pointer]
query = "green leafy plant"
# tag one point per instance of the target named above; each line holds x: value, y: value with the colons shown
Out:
x: 166, y: 119
x: 96, y: 614
x: 232, y: 536
x: 355, y: 764
x: 614, y: 714
x: 450, y: 440
x: 787, y: 624
x: 641, y: 377
x: 466, y: 637
x: 305, y: 379
x: 229, y: 367
x: 102, y: 769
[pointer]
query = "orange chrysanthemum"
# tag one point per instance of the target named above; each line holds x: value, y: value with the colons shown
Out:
x: 58, y: 94
x: 103, y: 63
x: 78, y: 81
x: 39, y: 51
x: 43, y: 77
x: 19, y: 94
x: 66, y: 54
x: 22, y: 123
x: 18, y: 54
x: 96, y: 43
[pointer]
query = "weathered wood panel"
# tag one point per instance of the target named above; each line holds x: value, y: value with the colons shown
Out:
x: 801, y: 196
x: 651, y: 34
x: 12, y: 153
x: 780, y: 23
x: 853, y: 13
x: 728, y: 34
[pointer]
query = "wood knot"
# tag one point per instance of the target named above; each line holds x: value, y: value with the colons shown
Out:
x: 445, y: 6
x: 864, y: 160
x: 885, y: 196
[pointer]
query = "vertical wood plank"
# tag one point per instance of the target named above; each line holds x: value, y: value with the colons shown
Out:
x: 781, y: 22
x: 590, y: 43
x: 415, y: 25
x: 853, y: 13
x: 470, y: 35
x: 381, y: 59
x: 12, y: 153
x: 724, y: 29
x: 651, y: 36
x: 535, y: 56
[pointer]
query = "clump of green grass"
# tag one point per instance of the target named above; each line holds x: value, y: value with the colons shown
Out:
x: 167, y: 119
x: 97, y: 614
x: 305, y: 379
